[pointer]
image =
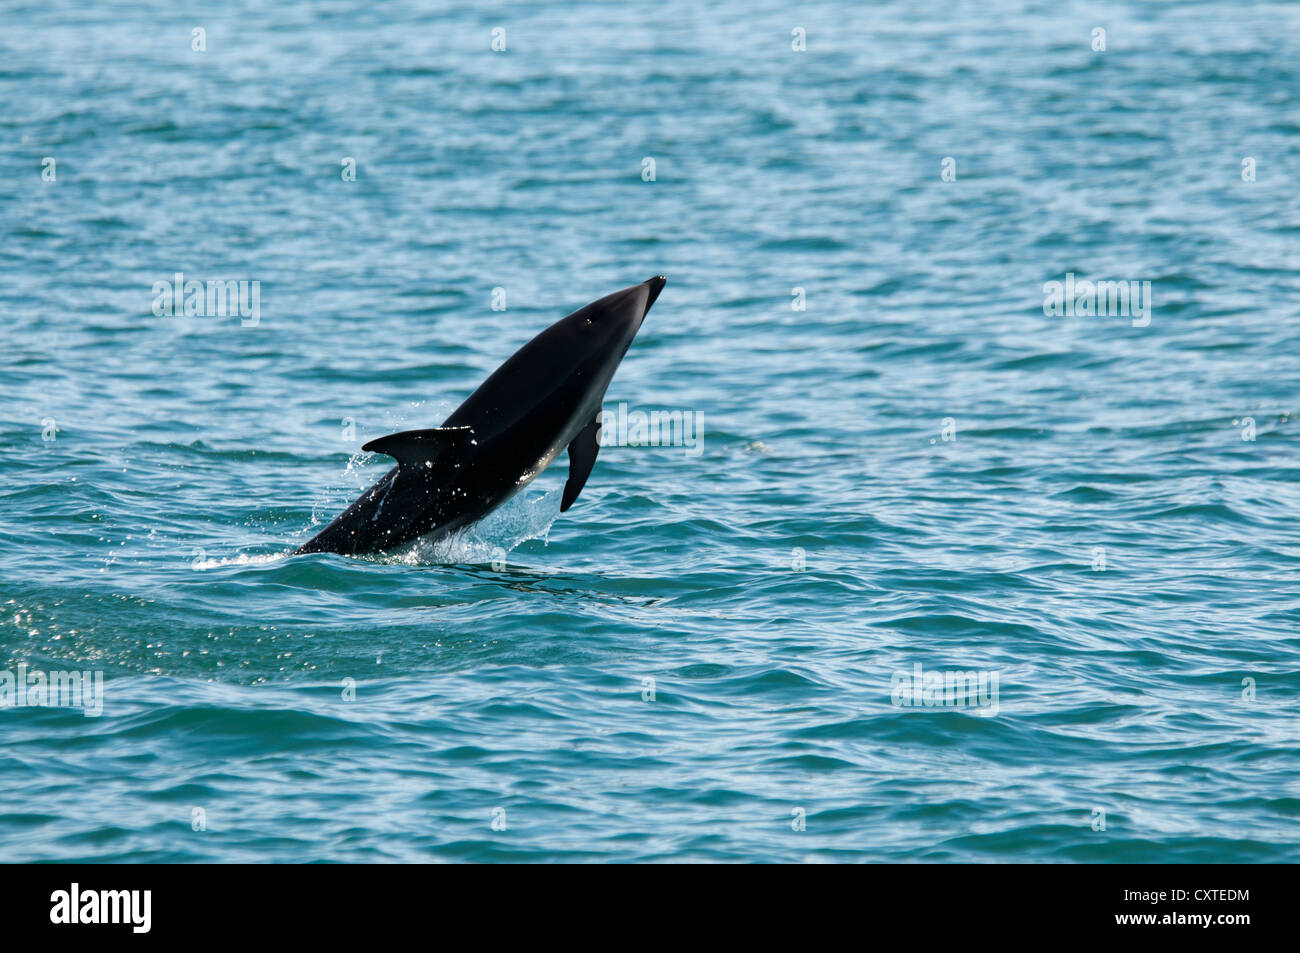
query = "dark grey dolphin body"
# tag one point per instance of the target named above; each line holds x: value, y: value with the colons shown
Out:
x: 546, y: 397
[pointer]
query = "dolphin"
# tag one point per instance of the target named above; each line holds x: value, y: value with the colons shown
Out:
x: 545, y: 398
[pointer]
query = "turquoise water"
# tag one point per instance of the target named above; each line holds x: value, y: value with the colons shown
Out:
x: 920, y: 468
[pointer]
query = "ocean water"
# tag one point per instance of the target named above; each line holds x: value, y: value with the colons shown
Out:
x: 709, y: 657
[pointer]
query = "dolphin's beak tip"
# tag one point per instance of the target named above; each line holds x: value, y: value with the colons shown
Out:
x: 655, y: 285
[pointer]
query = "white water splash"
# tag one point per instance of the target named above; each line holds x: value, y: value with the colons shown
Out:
x: 527, y: 516
x: 243, y: 559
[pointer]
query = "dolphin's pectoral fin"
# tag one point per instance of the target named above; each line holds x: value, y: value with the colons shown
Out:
x: 582, y: 457
x: 419, y: 448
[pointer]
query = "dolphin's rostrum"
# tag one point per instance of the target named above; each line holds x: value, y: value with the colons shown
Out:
x: 546, y: 397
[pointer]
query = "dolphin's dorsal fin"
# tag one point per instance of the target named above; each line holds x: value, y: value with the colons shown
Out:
x: 420, y: 448
x: 582, y: 457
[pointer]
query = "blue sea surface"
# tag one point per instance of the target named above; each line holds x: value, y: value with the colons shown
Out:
x: 910, y: 464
